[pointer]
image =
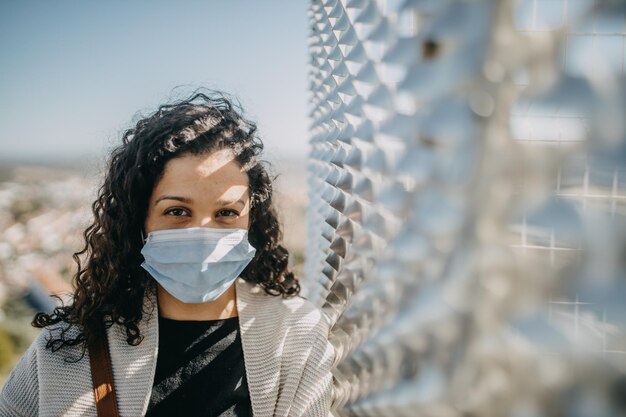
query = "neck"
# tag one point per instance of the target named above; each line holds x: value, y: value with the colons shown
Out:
x: 221, y: 308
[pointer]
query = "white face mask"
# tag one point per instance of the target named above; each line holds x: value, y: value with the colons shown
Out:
x: 198, y: 264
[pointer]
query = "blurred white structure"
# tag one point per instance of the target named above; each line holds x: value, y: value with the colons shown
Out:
x: 467, y: 204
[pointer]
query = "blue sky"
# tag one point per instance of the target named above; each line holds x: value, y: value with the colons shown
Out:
x: 73, y: 74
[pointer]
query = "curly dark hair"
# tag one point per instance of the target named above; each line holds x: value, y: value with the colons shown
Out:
x: 110, y: 284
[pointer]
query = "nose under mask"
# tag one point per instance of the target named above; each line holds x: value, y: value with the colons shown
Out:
x: 198, y: 264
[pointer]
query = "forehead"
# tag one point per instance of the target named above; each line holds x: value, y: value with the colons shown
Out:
x: 214, y: 172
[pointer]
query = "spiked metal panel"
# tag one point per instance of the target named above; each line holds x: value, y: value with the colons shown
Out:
x: 467, y: 200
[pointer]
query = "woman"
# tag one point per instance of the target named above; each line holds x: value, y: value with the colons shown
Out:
x: 184, y: 272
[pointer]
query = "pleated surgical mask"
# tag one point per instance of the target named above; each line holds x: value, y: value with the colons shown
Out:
x: 198, y: 264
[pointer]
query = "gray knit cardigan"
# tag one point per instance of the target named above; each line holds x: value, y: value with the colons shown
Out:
x: 286, y: 352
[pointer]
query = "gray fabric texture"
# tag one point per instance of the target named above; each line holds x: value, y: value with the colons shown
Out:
x: 287, y: 355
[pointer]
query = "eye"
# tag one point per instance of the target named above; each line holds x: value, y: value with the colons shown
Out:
x: 227, y: 213
x: 176, y: 212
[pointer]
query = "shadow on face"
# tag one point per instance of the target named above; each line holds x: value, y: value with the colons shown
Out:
x: 207, y: 190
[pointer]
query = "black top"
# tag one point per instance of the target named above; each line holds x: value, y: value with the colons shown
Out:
x: 200, y: 370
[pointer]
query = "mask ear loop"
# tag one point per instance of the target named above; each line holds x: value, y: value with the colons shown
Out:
x: 143, y: 239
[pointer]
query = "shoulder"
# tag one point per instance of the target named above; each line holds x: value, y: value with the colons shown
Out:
x: 20, y: 394
x: 53, y: 360
x: 22, y: 390
x: 48, y: 342
x: 305, y: 316
x: 295, y: 312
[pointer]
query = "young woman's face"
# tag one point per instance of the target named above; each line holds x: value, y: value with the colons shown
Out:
x: 208, y: 190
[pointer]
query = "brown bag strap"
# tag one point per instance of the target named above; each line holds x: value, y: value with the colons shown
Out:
x: 102, y: 376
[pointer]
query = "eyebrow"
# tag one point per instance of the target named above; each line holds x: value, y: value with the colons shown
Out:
x: 173, y: 197
x: 220, y: 202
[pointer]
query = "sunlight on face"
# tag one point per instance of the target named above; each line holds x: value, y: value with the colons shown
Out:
x: 208, y: 190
